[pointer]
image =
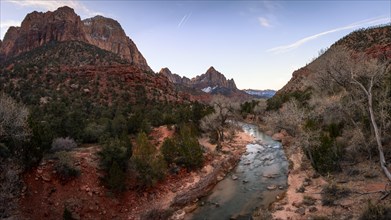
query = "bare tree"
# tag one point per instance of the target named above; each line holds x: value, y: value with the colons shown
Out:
x: 289, y: 117
x: 13, y: 120
x: 260, y: 109
x: 224, y: 110
x: 13, y: 128
x: 359, y: 75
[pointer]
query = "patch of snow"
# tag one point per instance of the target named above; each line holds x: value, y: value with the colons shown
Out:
x: 209, y: 89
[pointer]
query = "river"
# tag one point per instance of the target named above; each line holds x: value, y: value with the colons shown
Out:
x: 245, y: 189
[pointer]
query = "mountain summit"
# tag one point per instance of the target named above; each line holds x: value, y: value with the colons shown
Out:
x: 207, y: 82
x: 64, y: 24
x: 213, y: 78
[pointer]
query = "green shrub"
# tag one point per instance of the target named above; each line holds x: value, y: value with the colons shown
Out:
x: 376, y: 212
x: 170, y: 150
x: 67, y: 215
x: 114, y: 159
x: 116, y: 178
x: 326, y: 155
x: 248, y: 107
x: 184, y: 149
x: 92, y: 132
x: 64, y: 167
x: 40, y: 142
x: 115, y: 150
x: 149, y: 165
x: 278, y: 100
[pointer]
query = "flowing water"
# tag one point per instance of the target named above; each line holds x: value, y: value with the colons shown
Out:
x: 262, y: 165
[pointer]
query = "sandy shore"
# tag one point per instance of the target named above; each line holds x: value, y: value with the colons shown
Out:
x: 293, y: 205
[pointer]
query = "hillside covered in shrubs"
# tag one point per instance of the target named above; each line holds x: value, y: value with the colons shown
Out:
x: 336, y: 110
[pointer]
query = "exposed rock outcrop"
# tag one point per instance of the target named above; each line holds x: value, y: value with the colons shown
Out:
x: 108, y: 34
x: 64, y: 24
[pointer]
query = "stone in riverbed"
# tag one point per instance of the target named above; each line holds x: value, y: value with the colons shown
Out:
x: 178, y: 215
x: 234, y: 177
x: 219, y: 178
x: 271, y: 187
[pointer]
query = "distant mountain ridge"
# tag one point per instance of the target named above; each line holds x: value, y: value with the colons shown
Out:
x: 211, y: 82
x: 268, y: 93
x: 210, y: 79
x: 63, y: 24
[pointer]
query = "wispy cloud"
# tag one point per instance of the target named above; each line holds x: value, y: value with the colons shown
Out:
x: 264, y: 22
x: 289, y: 47
x: 53, y: 5
x: 184, y: 20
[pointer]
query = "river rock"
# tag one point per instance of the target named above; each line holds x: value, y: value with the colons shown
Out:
x: 190, y: 208
x: 234, y: 177
x: 178, y: 215
x: 272, y: 187
x: 46, y: 177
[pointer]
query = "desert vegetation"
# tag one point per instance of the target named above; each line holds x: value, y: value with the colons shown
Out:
x: 339, y: 116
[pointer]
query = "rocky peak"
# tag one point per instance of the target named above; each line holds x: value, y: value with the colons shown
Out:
x: 174, y: 78
x: 64, y: 24
x: 40, y: 28
x: 213, y: 78
x: 211, y: 70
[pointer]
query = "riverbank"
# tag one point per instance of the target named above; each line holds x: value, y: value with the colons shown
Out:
x: 346, y: 196
x: 302, y: 197
x: 45, y: 197
x: 256, y: 180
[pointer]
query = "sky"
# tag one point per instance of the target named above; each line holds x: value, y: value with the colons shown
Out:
x: 257, y: 43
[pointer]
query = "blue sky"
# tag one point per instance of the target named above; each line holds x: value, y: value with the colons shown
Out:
x: 258, y: 43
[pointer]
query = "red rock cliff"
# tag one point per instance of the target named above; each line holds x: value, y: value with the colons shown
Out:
x: 64, y: 24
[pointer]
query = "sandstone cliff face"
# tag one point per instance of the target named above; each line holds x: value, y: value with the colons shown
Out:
x: 108, y: 34
x: 40, y: 28
x: 64, y: 24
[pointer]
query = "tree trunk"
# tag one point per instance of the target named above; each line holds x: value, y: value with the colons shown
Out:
x: 378, y: 138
